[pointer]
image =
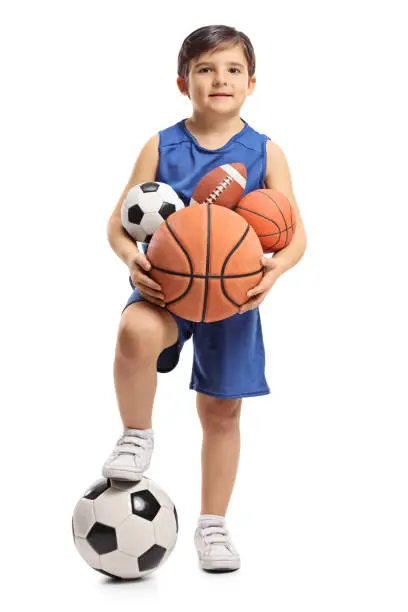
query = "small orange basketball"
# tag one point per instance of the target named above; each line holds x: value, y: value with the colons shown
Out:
x: 271, y: 215
x: 205, y: 258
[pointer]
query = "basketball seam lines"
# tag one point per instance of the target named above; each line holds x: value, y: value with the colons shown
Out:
x: 287, y: 228
x: 257, y: 214
x: 210, y: 276
x: 254, y: 212
x: 188, y: 259
x: 280, y: 210
x: 278, y: 233
x: 207, y: 276
x: 207, y: 263
x: 226, y: 261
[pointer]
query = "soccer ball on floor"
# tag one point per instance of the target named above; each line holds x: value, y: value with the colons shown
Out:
x: 146, y: 206
x: 125, y: 529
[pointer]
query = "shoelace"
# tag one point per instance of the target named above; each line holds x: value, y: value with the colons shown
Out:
x: 133, y: 445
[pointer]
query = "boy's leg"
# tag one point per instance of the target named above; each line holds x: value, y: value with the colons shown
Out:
x: 144, y: 331
x: 219, y: 460
x: 220, y: 451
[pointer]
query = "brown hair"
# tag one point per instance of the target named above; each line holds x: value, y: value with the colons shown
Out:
x: 213, y: 37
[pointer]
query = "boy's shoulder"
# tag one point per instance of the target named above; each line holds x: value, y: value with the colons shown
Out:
x: 252, y: 138
x: 173, y: 134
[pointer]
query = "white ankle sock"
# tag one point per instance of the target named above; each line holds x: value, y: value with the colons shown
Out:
x: 205, y: 517
x: 131, y: 430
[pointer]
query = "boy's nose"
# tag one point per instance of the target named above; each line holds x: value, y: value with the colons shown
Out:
x: 220, y: 80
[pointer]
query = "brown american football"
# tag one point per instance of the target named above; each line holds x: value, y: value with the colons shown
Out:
x: 223, y: 185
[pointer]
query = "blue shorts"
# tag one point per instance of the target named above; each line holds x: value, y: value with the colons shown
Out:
x: 229, y: 355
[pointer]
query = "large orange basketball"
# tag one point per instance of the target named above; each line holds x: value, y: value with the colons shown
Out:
x: 206, y: 258
x: 271, y: 215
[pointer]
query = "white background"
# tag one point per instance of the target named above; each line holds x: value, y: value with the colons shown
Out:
x: 319, y: 510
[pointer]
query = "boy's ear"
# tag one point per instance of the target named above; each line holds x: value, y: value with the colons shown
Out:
x: 251, y: 85
x: 182, y: 85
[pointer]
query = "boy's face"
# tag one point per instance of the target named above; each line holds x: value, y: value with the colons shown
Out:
x: 218, y: 72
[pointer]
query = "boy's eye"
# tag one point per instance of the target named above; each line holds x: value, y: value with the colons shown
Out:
x: 208, y: 68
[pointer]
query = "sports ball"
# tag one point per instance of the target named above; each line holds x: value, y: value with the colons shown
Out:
x: 125, y: 529
x: 146, y: 206
x: 271, y: 215
x: 205, y: 258
x: 223, y: 186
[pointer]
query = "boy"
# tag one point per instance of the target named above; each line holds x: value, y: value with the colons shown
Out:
x: 216, y: 66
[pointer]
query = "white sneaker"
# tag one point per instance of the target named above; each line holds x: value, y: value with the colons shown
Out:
x: 215, y: 550
x: 131, y: 456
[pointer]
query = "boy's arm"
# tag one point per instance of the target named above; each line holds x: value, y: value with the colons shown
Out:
x: 144, y: 170
x: 278, y: 177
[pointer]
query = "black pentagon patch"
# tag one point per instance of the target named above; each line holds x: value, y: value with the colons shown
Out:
x: 176, y: 517
x: 144, y: 504
x: 167, y: 209
x: 151, y: 558
x: 98, y: 488
x: 108, y: 574
x: 149, y: 187
x: 102, y: 538
x: 135, y: 214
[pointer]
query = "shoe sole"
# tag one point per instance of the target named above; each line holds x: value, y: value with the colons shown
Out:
x: 220, y: 565
x: 122, y: 474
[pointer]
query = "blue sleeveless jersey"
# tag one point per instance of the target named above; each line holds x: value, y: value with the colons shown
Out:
x: 183, y: 161
x: 229, y: 355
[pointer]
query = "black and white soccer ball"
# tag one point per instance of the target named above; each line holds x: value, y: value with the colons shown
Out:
x: 125, y: 529
x: 146, y: 206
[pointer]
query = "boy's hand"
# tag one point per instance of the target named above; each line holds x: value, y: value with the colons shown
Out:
x: 271, y: 274
x: 150, y: 290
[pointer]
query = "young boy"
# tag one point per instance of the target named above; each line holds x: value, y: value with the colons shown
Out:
x: 216, y: 66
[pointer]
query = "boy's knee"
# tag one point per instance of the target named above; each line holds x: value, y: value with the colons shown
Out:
x: 218, y: 413
x: 138, y: 338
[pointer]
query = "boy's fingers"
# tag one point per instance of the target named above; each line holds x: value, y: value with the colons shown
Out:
x: 148, y: 282
x: 156, y: 294
x: 247, y: 306
x: 145, y: 264
x: 255, y: 291
x: 250, y: 304
x: 152, y: 298
x: 156, y: 302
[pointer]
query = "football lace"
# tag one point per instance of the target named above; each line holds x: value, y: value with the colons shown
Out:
x: 220, y: 188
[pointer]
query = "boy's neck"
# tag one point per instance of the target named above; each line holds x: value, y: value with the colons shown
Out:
x: 214, y: 126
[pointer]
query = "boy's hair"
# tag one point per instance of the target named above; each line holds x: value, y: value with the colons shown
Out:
x: 210, y: 38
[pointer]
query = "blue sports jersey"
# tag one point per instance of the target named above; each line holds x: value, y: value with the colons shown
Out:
x: 183, y: 161
x: 229, y: 355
